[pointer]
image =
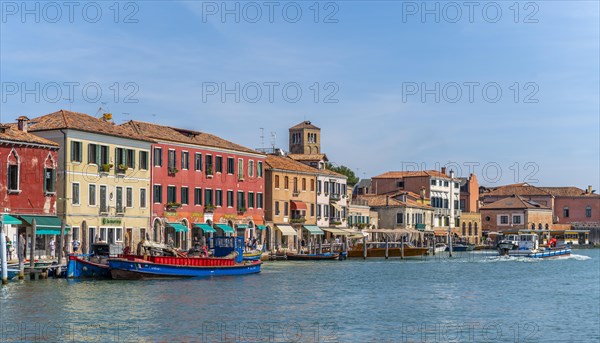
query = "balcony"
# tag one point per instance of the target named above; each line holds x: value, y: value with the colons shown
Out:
x: 334, y: 197
x: 295, y: 193
x: 298, y: 220
x: 441, y: 211
x: 172, y: 206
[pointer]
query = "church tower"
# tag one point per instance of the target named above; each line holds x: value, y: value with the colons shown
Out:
x: 305, y: 138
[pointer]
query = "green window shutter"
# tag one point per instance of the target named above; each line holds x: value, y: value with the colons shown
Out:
x: 133, y: 159
x: 98, y: 154
x: 72, y: 151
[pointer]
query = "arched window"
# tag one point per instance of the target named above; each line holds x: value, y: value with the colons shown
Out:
x: 295, y: 184
x: 464, y: 229
x: 470, y: 229
x: 14, y: 163
x: 539, y: 226
x: 533, y: 226
x: 547, y: 227
x: 476, y: 230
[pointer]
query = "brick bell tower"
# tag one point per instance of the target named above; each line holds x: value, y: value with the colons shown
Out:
x: 305, y: 138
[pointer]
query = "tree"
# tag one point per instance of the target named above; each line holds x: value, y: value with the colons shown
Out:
x: 352, y: 178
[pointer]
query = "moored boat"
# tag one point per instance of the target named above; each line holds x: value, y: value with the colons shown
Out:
x: 93, y: 265
x: 529, y: 247
x: 440, y: 247
x: 227, y: 260
x: 461, y: 247
x: 253, y: 255
x: 377, y: 249
x: 510, y: 242
x: 312, y: 257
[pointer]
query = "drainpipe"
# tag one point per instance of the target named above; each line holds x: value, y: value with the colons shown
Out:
x: 64, y: 175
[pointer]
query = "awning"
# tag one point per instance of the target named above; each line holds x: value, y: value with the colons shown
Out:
x: 226, y: 228
x: 337, y: 232
x: 10, y: 220
x: 178, y: 227
x: 286, y: 230
x: 45, y: 225
x: 205, y: 227
x: 337, y: 207
x: 314, y: 230
x: 298, y: 205
x: 242, y: 226
x: 261, y: 227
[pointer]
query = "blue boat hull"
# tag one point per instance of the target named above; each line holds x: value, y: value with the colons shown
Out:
x: 540, y: 254
x: 80, y: 268
x: 132, y: 270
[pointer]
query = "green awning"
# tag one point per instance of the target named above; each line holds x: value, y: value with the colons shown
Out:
x: 45, y: 225
x: 226, y: 228
x: 261, y: 227
x: 178, y: 227
x: 420, y: 227
x: 205, y: 227
x: 242, y: 226
x: 313, y: 229
x: 10, y: 220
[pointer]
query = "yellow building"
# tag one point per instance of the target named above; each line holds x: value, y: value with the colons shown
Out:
x: 290, y: 202
x: 103, y: 184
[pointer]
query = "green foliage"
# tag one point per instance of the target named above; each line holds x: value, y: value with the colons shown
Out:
x: 352, y: 178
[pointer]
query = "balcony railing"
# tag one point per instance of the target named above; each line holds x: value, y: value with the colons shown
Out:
x: 335, y: 197
x: 441, y: 211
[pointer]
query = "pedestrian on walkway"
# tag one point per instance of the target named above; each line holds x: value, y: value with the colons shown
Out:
x: 52, y: 247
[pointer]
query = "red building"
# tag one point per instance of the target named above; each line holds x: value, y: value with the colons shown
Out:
x: 27, y: 176
x: 204, y: 183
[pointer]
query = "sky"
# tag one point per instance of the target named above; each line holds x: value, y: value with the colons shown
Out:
x: 506, y: 90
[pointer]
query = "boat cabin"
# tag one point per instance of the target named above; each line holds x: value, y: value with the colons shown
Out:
x: 528, y: 242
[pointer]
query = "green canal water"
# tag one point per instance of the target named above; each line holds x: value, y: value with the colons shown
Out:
x: 473, y: 297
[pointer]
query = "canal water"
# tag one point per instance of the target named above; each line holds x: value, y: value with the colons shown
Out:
x: 473, y: 297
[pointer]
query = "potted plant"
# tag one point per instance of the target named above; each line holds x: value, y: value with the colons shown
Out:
x: 106, y: 167
x: 121, y: 168
x: 172, y: 206
x: 209, y: 208
x: 241, y: 210
x: 173, y: 170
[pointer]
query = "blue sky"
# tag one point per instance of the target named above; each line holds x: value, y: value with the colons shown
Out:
x: 372, y: 56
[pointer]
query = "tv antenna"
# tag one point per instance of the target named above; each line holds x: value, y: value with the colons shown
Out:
x: 262, y: 138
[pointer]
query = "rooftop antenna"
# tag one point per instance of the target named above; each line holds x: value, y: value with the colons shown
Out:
x: 127, y: 117
x: 262, y: 138
x: 273, y: 139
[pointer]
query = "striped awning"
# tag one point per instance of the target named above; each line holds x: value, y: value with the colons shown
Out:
x: 226, y: 228
x: 205, y: 227
x: 313, y: 229
x: 286, y: 230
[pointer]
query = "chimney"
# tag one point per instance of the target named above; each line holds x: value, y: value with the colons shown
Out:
x: 451, y: 173
x: 444, y: 170
x: 22, y: 123
x: 589, y: 190
x: 387, y: 200
x: 422, y: 192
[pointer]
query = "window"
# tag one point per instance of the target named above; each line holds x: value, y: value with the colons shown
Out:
x: 229, y: 198
x: 319, y: 210
x: 103, y: 207
x: 208, y: 162
x: 198, y: 162
x: 119, y: 235
x: 471, y: 229
x: 157, y: 194
x: 171, y: 194
x: 208, y: 197
x: 230, y: 166
x: 250, y: 199
x: 295, y: 185
x: 104, y: 154
x: 241, y: 201
x: 218, y: 197
x: 158, y: 157
x: 219, y: 164
x: 277, y: 212
x: 259, y: 200
x: 172, y: 159
x: 588, y: 211
x: 276, y: 181
x: 445, y: 183
x: 286, y: 182
x: 142, y: 197
x: 250, y: 168
x: 119, y: 199
x: 303, y: 183
x: 400, y: 184
x: 566, y: 212
x: 456, y: 185
x: 326, y: 186
x: 240, y: 168
x: 185, y: 160
x: 185, y: 195
x: 49, y: 180
x: 462, y: 204
x: 476, y: 230
x: 312, y: 210
x: 93, y: 152
x: 326, y: 211
x: 198, y: 196
x: 456, y: 204
x: 464, y: 229
x: 144, y: 160
x: 75, y: 151
x: 312, y: 185
x: 92, y: 195
x: 75, y: 194
x: 399, y: 218
x: 130, y: 158
x: 119, y: 156
x: 129, y: 197
x: 433, y: 182
x: 516, y: 219
x: 318, y: 186
x: 259, y: 169
x: 504, y: 220
x: 285, y: 208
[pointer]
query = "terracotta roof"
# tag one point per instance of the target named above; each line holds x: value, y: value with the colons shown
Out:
x: 288, y: 164
x: 567, y: 191
x: 513, y: 202
x: 518, y: 190
x: 80, y: 121
x: 383, y: 201
x: 402, y: 174
x: 331, y: 172
x: 11, y: 133
x: 168, y: 133
x: 304, y: 125
x: 307, y: 157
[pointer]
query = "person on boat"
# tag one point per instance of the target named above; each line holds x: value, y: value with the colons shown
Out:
x: 76, y: 245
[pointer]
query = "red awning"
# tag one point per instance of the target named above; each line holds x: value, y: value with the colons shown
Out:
x: 298, y: 205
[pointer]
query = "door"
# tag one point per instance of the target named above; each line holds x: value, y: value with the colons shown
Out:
x: 91, y: 237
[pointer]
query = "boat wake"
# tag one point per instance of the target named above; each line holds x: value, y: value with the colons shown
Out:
x: 493, y: 259
x: 574, y: 257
